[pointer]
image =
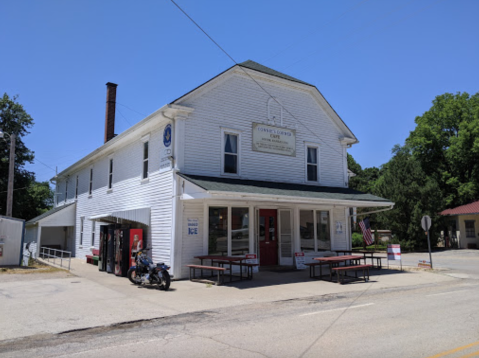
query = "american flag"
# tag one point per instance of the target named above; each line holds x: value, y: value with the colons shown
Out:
x: 366, y: 229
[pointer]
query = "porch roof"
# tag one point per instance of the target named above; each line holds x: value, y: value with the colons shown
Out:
x: 64, y: 217
x: 215, y: 184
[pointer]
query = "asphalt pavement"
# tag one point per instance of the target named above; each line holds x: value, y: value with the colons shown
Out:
x: 277, y: 314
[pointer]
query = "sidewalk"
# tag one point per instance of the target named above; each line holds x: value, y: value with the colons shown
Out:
x: 88, y: 298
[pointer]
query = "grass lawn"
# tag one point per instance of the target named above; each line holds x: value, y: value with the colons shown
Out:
x: 35, y: 268
x: 373, y: 247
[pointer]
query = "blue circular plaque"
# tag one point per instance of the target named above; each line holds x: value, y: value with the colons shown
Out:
x: 167, y: 136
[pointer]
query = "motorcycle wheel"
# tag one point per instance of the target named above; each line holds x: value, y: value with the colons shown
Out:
x: 165, y: 282
x: 132, y: 277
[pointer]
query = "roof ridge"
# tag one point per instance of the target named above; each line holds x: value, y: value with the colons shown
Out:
x: 252, y: 65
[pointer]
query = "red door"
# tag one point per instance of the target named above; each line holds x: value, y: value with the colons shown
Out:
x: 268, y: 237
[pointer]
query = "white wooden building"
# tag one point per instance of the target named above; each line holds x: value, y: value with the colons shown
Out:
x: 252, y: 161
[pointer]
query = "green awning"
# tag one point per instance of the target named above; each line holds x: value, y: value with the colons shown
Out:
x: 228, y: 185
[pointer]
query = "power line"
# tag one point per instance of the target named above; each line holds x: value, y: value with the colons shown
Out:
x: 118, y: 109
x: 131, y: 109
x: 315, y: 30
x: 45, y: 165
x: 259, y: 85
x: 25, y: 187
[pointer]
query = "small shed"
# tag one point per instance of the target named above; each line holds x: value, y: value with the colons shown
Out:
x: 11, y: 240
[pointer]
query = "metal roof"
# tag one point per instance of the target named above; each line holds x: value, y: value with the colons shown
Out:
x: 260, y: 68
x: 141, y: 215
x: 48, y: 213
x: 472, y: 208
x: 284, y: 189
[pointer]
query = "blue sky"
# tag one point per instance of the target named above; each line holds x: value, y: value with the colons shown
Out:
x: 378, y: 63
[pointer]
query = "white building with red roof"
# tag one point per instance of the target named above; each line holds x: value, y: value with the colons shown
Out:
x: 463, y: 224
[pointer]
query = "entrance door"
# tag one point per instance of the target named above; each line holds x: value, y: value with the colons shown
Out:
x: 268, y: 237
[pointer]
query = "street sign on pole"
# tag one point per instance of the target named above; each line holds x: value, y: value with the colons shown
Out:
x: 426, y: 224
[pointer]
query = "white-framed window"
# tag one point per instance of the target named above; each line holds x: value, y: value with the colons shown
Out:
x: 312, y: 162
x: 110, y: 174
x: 145, y: 160
x: 470, y: 228
x: 66, y: 190
x: 76, y: 189
x: 93, y: 233
x: 230, y: 152
x: 90, y: 188
x: 228, y: 230
x: 82, y: 223
x: 315, y: 230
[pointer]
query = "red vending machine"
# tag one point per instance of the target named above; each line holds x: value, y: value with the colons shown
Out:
x: 137, y: 244
x: 127, y: 243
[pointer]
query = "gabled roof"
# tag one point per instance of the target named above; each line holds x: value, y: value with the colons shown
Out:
x: 280, y: 189
x: 48, y: 213
x: 251, y: 65
x: 269, y: 71
x: 472, y: 208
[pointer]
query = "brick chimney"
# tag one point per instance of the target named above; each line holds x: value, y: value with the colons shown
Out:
x: 110, y: 111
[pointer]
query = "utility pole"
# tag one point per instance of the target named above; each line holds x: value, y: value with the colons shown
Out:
x: 11, y: 169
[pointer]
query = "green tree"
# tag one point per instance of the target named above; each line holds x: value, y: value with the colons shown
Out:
x: 30, y: 198
x: 364, y: 180
x: 414, y: 193
x: 446, y: 144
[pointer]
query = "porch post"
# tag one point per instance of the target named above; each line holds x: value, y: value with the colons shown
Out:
x: 39, y: 239
x: 252, y: 229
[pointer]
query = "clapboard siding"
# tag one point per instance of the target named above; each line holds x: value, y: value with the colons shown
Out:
x: 128, y: 192
x: 238, y: 102
x: 192, y: 245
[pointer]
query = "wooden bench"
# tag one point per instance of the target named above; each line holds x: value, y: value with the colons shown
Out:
x: 219, y: 270
x: 249, y: 269
x: 378, y: 261
x: 312, y: 270
x: 342, y: 270
x: 89, y: 258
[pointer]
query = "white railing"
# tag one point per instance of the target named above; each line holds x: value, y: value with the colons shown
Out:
x: 54, y: 256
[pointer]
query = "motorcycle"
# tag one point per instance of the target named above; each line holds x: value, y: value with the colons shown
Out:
x: 146, y: 271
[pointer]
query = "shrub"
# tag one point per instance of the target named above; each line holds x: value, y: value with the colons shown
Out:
x: 357, y: 239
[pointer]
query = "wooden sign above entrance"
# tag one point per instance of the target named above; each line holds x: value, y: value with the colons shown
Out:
x: 274, y: 140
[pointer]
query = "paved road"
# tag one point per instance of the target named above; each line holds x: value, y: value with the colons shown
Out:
x: 418, y: 321
x: 465, y: 262
x: 435, y: 315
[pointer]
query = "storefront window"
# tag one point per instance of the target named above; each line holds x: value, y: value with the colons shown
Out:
x: 322, y: 230
x: 218, y: 231
x: 239, y: 231
x: 306, y: 230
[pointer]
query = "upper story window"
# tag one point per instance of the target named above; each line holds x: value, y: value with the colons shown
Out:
x: 110, y: 175
x: 66, y: 190
x: 90, y: 190
x: 230, y: 154
x: 76, y: 189
x: 312, y: 166
x: 145, y: 160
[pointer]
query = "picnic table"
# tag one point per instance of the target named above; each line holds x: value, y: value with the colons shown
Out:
x: 336, y: 260
x: 368, y: 254
x: 225, y: 260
